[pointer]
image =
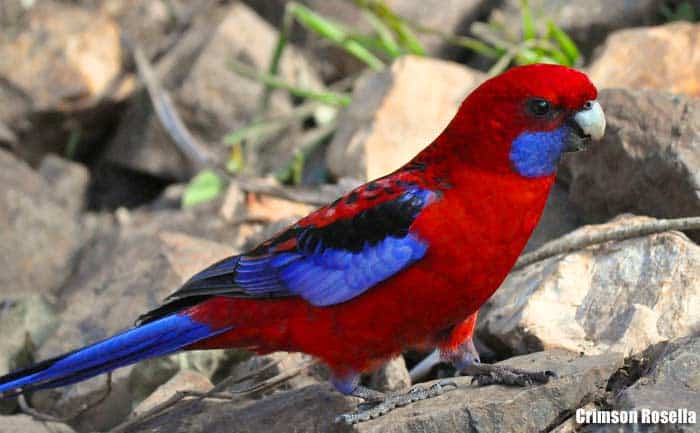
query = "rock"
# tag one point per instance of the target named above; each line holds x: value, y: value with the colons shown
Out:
x: 26, y: 322
x: 619, y: 296
x: 127, y: 270
x: 27, y: 424
x: 68, y: 181
x: 392, y: 117
x: 665, y: 64
x: 672, y: 381
x: 651, y: 142
x: 560, y: 216
x: 211, y: 98
x: 41, y: 237
x: 392, y: 376
x: 186, y: 380
x: 468, y: 408
x: 275, y: 365
x: 662, y: 378
x: 586, y: 21
x: 77, y: 54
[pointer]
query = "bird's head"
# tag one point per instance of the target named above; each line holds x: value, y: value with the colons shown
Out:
x: 524, y: 119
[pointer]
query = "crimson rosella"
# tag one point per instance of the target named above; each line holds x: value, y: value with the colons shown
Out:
x: 404, y: 261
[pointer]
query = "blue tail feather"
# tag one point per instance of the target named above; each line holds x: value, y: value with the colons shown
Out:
x: 157, y: 338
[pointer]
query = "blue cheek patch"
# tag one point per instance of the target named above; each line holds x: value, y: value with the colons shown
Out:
x: 536, y: 154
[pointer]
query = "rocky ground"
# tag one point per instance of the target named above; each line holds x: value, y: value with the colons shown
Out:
x: 94, y: 232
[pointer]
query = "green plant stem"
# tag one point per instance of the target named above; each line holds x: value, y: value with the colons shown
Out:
x: 326, y: 97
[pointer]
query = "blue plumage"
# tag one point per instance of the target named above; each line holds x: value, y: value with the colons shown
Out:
x: 153, y: 339
x: 536, y: 154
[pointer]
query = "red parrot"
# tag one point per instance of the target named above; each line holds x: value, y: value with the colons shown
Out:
x: 401, y: 262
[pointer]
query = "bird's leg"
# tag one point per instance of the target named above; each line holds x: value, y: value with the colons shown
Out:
x: 459, y: 349
x: 378, y: 403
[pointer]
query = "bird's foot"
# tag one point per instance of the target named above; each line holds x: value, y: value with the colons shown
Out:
x: 375, y: 408
x: 489, y: 374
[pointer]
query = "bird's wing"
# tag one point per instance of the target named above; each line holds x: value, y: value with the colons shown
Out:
x: 331, y: 256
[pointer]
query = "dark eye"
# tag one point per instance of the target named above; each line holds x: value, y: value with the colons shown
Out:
x: 539, y: 107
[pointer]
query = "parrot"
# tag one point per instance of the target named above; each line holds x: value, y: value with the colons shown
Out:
x: 402, y: 262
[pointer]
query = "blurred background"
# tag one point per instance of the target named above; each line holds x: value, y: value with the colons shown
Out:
x: 142, y: 140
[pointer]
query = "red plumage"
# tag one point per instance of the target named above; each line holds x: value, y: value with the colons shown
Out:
x: 476, y: 232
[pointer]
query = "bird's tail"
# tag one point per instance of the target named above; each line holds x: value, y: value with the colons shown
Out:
x: 160, y: 337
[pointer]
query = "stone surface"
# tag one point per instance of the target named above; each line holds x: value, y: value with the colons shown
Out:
x: 586, y: 21
x: 68, y: 181
x: 651, y: 142
x: 673, y: 379
x: 619, y: 296
x: 468, y: 408
x: 77, y: 54
x: 264, y: 367
x: 396, y: 113
x: 212, y: 99
x: 392, y: 376
x: 27, y: 424
x: 667, y: 63
x: 186, y: 380
x: 665, y: 378
x: 560, y: 216
x: 41, y: 236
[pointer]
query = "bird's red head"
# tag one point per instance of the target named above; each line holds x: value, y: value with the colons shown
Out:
x: 524, y: 119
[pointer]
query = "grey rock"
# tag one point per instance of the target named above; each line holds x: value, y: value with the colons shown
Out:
x: 468, y: 408
x: 68, y: 180
x: 27, y: 424
x: 560, y: 216
x: 650, y: 144
x: 621, y: 296
x: 185, y: 380
x: 41, y: 236
x: 392, y: 376
x: 265, y: 367
x: 673, y: 379
x: 670, y: 382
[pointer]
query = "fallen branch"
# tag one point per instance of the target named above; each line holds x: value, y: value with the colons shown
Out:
x: 166, y: 113
x: 570, y: 244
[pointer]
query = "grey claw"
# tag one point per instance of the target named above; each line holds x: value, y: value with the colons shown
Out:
x: 364, y: 413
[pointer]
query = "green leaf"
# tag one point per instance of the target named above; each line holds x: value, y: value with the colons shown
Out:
x: 335, y: 33
x: 567, y: 45
x: 529, y: 28
x: 386, y: 40
x: 204, y: 187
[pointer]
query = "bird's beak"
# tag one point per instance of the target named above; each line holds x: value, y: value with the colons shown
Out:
x: 587, y: 124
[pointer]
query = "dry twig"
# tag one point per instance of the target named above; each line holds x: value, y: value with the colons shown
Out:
x: 570, y: 244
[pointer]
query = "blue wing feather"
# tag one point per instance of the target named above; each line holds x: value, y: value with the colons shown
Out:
x: 320, y: 268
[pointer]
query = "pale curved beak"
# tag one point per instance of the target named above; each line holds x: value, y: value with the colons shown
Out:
x: 591, y: 120
x: 586, y: 125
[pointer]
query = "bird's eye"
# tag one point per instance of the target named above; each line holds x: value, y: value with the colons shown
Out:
x: 539, y: 107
